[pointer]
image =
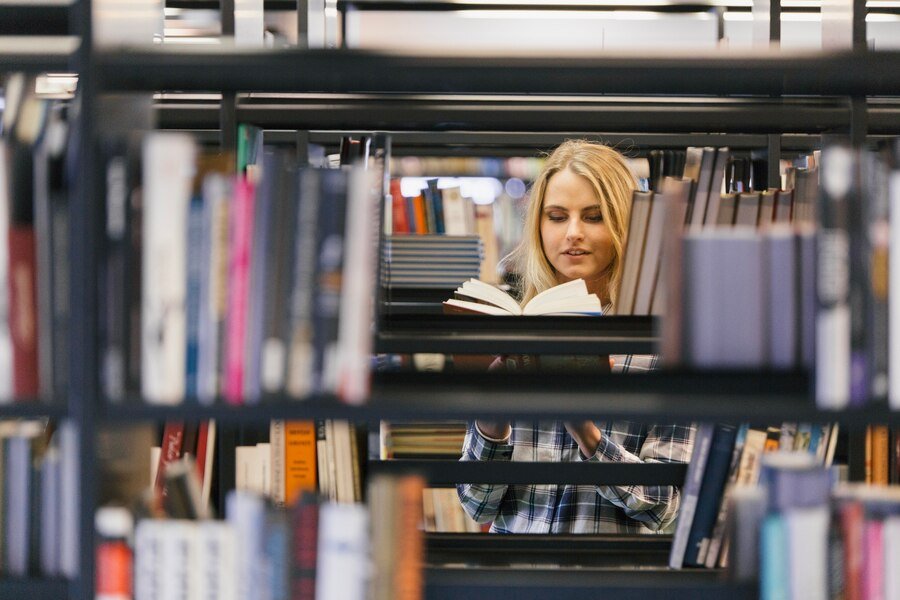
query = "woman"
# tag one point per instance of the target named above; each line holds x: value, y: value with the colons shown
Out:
x: 575, y: 227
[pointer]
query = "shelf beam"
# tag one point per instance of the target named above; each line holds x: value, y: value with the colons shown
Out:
x: 37, y: 53
x: 444, y: 472
x: 391, y: 114
x: 714, y: 73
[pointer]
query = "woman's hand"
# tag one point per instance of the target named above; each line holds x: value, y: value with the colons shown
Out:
x: 496, y: 430
x: 585, y: 434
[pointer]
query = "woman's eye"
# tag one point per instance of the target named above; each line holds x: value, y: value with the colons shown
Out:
x: 594, y: 218
x: 557, y: 218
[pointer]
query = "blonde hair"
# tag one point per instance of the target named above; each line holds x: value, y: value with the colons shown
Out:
x: 613, y: 183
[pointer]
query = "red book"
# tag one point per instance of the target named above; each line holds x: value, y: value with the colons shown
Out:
x: 23, y: 311
x: 172, y: 443
x: 399, y: 218
x: 206, y: 439
x: 304, y: 547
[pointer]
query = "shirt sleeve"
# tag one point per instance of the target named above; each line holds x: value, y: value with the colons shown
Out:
x: 481, y: 501
x: 655, y: 506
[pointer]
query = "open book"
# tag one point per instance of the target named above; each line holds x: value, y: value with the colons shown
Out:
x: 571, y: 298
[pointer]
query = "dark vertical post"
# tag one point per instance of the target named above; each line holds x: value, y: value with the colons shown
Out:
x: 775, y: 21
x: 856, y: 454
x: 859, y: 24
x: 228, y: 122
x: 773, y: 156
x: 302, y: 148
x: 303, y: 23
x: 85, y: 219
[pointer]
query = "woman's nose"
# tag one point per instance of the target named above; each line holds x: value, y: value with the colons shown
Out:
x: 574, y: 230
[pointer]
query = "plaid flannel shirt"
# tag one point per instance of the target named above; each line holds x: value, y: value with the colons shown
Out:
x: 579, y: 508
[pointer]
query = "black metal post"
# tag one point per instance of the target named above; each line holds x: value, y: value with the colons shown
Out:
x: 773, y: 159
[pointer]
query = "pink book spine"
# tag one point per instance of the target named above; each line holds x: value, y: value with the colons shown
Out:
x: 239, y: 269
x: 873, y: 565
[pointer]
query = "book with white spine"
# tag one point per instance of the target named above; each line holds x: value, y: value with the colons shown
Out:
x: 168, y: 173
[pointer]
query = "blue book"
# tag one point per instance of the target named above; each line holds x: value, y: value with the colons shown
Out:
x: 774, y: 580
x: 195, y: 271
x: 690, y: 493
x: 714, y: 478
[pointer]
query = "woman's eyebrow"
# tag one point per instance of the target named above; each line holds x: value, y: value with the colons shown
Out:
x: 555, y: 207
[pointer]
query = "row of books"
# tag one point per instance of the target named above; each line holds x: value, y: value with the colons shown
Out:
x: 804, y: 537
x: 431, y: 261
x: 310, y: 549
x: 218, y: 286
x: 34, y: 142
x: 882, y: 455
x: 693, y: 202
x: 444, y: 212
x: 325, y: 457
x: 724, y: 458
x: 38, y: 499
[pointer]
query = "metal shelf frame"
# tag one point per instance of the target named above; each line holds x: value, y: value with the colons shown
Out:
x: 855, y: 73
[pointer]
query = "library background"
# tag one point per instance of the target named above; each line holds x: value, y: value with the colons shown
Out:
x: 229, y: 228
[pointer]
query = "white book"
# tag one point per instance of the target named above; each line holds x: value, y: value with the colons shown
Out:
x: 264, y: 475
x: 357, y: 309
x: 455, y: 207
x: 248, y: 474
x: 245, y: 511
x: 567, y: 298
x: 343, y: 562
x: 217, y: 566
x: 178, y: 557
x: 343, y: 461
x: 276, y: 448
x: 891, y: 544
x: 148, y: 573
x: 168, y: 167
x: 808, y: 552
x: 6, y: 352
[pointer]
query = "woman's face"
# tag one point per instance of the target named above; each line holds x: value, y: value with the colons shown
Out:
x: 574, y: 237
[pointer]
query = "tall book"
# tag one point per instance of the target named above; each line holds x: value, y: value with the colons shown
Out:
x: 641, y: 205
x: 690, y: 494
x: 168, y: 173
x: 833, y: 327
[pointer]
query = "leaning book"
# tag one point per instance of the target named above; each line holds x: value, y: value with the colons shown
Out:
x: 571, y: 298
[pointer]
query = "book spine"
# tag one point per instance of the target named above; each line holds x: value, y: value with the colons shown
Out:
x: 238, y: 290
x: 168, y: 165
x: 690, y: 493
x: 833, y: 326
x: 23, y: 311
x: 195, y: 271
x: 300, y: 322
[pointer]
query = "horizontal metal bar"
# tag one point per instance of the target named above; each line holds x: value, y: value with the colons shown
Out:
x: 620, y: 118
x: 551, y: 543
x: 857, y: 73
x: 34, y: 19
x: 541, y: 581
x: 521, y: 335
x: 514, y: 472
x: 24, y: 409
x: 37, y: 53
x: 34, y: 589
x: 268, y: 5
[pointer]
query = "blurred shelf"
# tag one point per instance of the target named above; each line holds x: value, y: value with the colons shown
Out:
x: 34, y: 589
x: 540, y: 581
x: 757, y: 396
x: 37, y: 53
x: 34, y: 18
x: 484, y: 334
x: 216, y: 68
x: 441, y: 472
x: 424, y: 118
x: 32, y: 409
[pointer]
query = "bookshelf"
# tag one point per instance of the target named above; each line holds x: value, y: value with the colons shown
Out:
x: 746, y: 123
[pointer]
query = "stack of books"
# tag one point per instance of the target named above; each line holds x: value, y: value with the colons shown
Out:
x: 431, y: 261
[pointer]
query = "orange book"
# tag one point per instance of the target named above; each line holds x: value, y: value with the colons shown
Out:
x: 422, y: 224
x: 299, y: 459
